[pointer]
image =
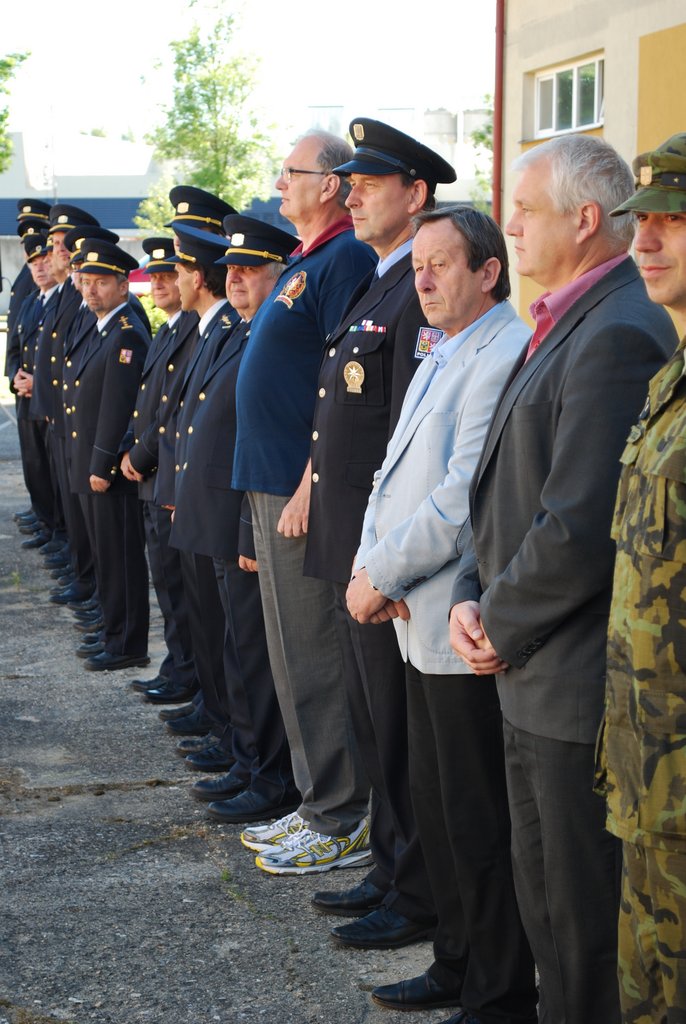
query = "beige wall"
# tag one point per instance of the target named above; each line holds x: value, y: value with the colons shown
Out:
x: 643, y: 42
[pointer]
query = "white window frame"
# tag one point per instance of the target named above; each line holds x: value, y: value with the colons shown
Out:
x: 551, y: 75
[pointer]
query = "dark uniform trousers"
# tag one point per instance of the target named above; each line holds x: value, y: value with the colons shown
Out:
x: 457, y: 780
x: 263, y: 759
x: 374, y: 675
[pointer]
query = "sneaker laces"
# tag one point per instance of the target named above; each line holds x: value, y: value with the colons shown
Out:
x: 304, y: 837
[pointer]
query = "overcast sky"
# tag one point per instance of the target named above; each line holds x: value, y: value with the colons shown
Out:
x: 93, y: 65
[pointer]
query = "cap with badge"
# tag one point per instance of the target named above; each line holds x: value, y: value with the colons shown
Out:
x: 34, y: 245
x: 252, y: 243
x: 75, y: 237
x: 31, y: 225
x: 197, y: 248
x: 101, y: 257
x: 63, y: 217
x: 381, y: 149
x: 34, y: 208
x: 196, y: 206
x: 160, y: 250
x: 661, y: 184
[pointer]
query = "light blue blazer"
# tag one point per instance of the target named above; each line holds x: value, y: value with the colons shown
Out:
x: 420, y: 501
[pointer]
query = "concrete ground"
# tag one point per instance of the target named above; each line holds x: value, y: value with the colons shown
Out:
x: 119, y: 900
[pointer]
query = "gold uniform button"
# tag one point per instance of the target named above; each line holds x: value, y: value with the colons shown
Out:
x: 322, y: 392
x: 68, y: 411
x: 202, y: 396
x: 55, y: 383
x: 332, y: 352
x: 171, y: 367
x: 53, y: 359
x: 136, y: 440
x: 164, y: 398
x: 356, y: 349
x: 178, y: 434
x: 180, y: 405
x: 185, y: 464
x: 26, y: 348
x: 315, y: 478
x: 135, y: 414
x: 68, y: 362
x: 54, y: 334
x: 315, y: 435
x: 142, y: 387
x: 64, y: 387
x: 161, y: 430
x: 178, y: 468
x: 76, y: 383
x: 74, y: 434
x: 190, y: 430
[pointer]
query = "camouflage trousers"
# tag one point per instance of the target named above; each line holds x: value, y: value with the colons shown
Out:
x: 652, y: 936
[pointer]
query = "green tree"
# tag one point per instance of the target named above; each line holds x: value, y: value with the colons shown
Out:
x: 155, y: 210
x: 8, y: 66
x: 482, y: 139
x: 210, y: 131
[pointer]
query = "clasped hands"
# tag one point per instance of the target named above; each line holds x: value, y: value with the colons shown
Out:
x: 368, y: 605
x: 468, y: 639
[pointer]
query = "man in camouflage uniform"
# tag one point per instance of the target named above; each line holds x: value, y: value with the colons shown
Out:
x: 643, y: 752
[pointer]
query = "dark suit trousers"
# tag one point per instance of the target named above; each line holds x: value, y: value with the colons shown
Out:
x: 457, y: 779
x: 36, y: 466
x: 567, y: 872
x: 207, y: 623
x: 115, y: 530
x: 263, y: 759
x: 77, y: 532
x: 374, y: 675
x: 165, y: 569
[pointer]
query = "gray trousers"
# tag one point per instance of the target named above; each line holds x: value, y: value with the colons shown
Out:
x: 307, y: 666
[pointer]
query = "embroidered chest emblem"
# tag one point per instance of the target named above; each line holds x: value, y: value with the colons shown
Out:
x: 353, y: 374
x: 427, y: 339
x: 293, y: 289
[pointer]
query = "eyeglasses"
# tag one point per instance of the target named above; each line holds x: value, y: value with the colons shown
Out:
x: 287, y: 173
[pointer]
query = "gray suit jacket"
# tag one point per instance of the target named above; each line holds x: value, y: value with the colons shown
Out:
x: 540, y: 558
x: 420, y: 499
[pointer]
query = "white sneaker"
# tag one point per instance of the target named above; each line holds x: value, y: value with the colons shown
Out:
x: 267, y: 837
x: 306, y: 852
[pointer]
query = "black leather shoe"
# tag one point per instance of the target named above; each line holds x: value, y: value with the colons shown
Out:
x: 106, y: 662
x: 86, y: 650
x: 381, y: 929
x: 194, y: 744
x: 87, y: 604
x: 26, y: 513
x: 89, y: 625
x: 30, y: 527
x: 221, y: 788
x: 91, y: 613
x: 92, y: 638
x: 250, y: 806
x: 141, y: 685
x: 63, y: 576
x: 168, y: 693
x: 195, y: 724
x: 37, y: 541
x: 421, y: 993
x: 171, y: 714
x: 52, y: 547
x: 213, y: 759
x: 74, y: 592
x: 350, y: 902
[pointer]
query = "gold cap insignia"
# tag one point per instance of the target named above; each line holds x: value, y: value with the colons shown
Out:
x: 92, y: 257
x: 646, y: 175
x: 358, y: 132
x: 238, y: 239
x: 353, y: 374
x: 62, y: 219
x: 158, y: 254
x: 78, y: 243
x: 182, y: 208
x: 31, y: 231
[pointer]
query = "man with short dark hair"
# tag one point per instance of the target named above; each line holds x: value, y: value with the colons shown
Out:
x: 403, y: 572
x: 532, y: 593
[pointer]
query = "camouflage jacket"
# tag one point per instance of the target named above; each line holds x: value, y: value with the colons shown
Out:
x: 642, y: 748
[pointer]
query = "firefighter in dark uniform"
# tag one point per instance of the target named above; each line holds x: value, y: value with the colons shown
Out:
x: 215, y: 519
x: 106, y: 371
x: 201, y: 285
x: 367, y: 365
x: 176, y: 680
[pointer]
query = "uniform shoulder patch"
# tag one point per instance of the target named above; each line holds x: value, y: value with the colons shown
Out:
x: 427, y: 339
x: 124, y: 323
x: 293, y: 288
x: 125, y: 355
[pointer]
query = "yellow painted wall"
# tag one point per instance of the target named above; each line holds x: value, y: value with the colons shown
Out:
x: 661, y: 93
